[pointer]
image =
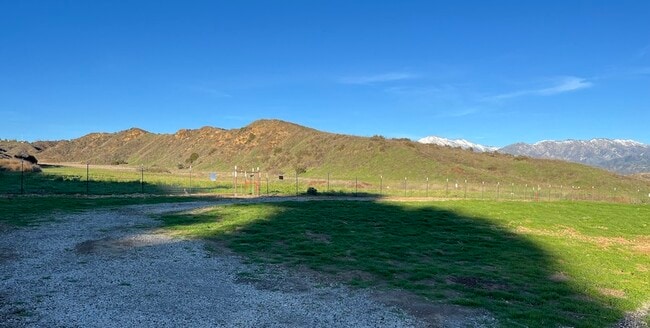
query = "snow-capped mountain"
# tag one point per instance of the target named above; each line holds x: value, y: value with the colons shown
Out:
x: 617, y: 155
x: 621, y: 156
x: 462, y: 143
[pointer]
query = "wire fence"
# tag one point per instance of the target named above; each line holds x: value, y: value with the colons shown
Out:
x: 119, y: 180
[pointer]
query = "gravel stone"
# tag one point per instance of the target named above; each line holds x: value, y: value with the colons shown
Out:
x: 636, y: 319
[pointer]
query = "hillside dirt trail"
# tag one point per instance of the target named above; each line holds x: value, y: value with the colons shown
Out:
x: 117, y: 268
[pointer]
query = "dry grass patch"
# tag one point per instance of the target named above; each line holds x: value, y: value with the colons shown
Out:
x: 637, y: 244
x: 559, y: 277
x: 14, y: 165
x: 612, y: 292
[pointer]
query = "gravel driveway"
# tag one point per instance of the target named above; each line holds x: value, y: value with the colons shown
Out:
x: 114, y: 268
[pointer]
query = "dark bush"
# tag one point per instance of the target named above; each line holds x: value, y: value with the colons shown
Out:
x: 193, y: 157
x: 27, y: 157
x: 311, y: 191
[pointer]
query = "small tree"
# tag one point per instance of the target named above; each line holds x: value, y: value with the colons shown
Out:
x: 27, y: 157
x: 300, y: 169
x: 193, y: 157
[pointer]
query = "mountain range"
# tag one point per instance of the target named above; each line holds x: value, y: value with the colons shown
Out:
x: 460, y: 143
x: 279, y: 147
x: 616, y: 155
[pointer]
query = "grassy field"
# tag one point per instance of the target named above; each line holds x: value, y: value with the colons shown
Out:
x: 110, y: 180
x: 24, y: 211
x: 530, y: 264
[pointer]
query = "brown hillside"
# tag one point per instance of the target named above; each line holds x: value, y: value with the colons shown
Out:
x: 642, y: 176
x: 281, y: 147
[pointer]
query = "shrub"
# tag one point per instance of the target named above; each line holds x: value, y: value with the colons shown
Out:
x: 311, y: 191
x: 300, y: 169
x: 14, y: 165
x: 193, y: 157
x: 27, y: 157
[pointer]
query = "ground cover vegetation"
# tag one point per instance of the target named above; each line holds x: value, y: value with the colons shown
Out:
x: 30, y: 210
x: 529, y: 264
x: 122, y: 179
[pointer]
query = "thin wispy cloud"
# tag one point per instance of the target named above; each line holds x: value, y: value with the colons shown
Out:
x: 378, y: 78
x: 415, y: 90
x: 562, y: 85
x: 567, y: 84
x: 447, y: 100
x: 438, y: 93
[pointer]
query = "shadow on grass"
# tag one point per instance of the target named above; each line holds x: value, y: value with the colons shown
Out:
x: 435, y: 253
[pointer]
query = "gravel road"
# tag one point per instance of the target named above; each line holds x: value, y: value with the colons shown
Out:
x: 115, y: 268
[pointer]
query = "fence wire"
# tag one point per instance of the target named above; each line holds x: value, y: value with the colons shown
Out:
x: 119, y: 180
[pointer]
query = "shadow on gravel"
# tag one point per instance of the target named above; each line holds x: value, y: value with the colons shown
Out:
x: 430, y: 253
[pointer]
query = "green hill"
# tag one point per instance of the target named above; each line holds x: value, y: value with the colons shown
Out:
x: 281, y: 147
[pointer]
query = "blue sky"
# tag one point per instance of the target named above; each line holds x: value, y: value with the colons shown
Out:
x: 493, y: 72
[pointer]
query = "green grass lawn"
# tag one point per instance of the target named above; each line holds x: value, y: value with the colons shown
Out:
x: 109, y: 181
x: 530, y: 264
x: 118, y: 180
x: 28, y: 210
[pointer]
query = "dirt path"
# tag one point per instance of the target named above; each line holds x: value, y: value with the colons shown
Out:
x: 114, y: 268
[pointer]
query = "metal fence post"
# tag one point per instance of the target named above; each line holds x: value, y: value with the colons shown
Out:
x: 526, y: 192
x: 258, y: 186
x: 427, y: 186
x: 465, y: 195
x: 328, y: 182
x: 447, y: 188
x: 498, y: 189
x: 22, y: 177
x: 87, y: 178
x: 142, y: 178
